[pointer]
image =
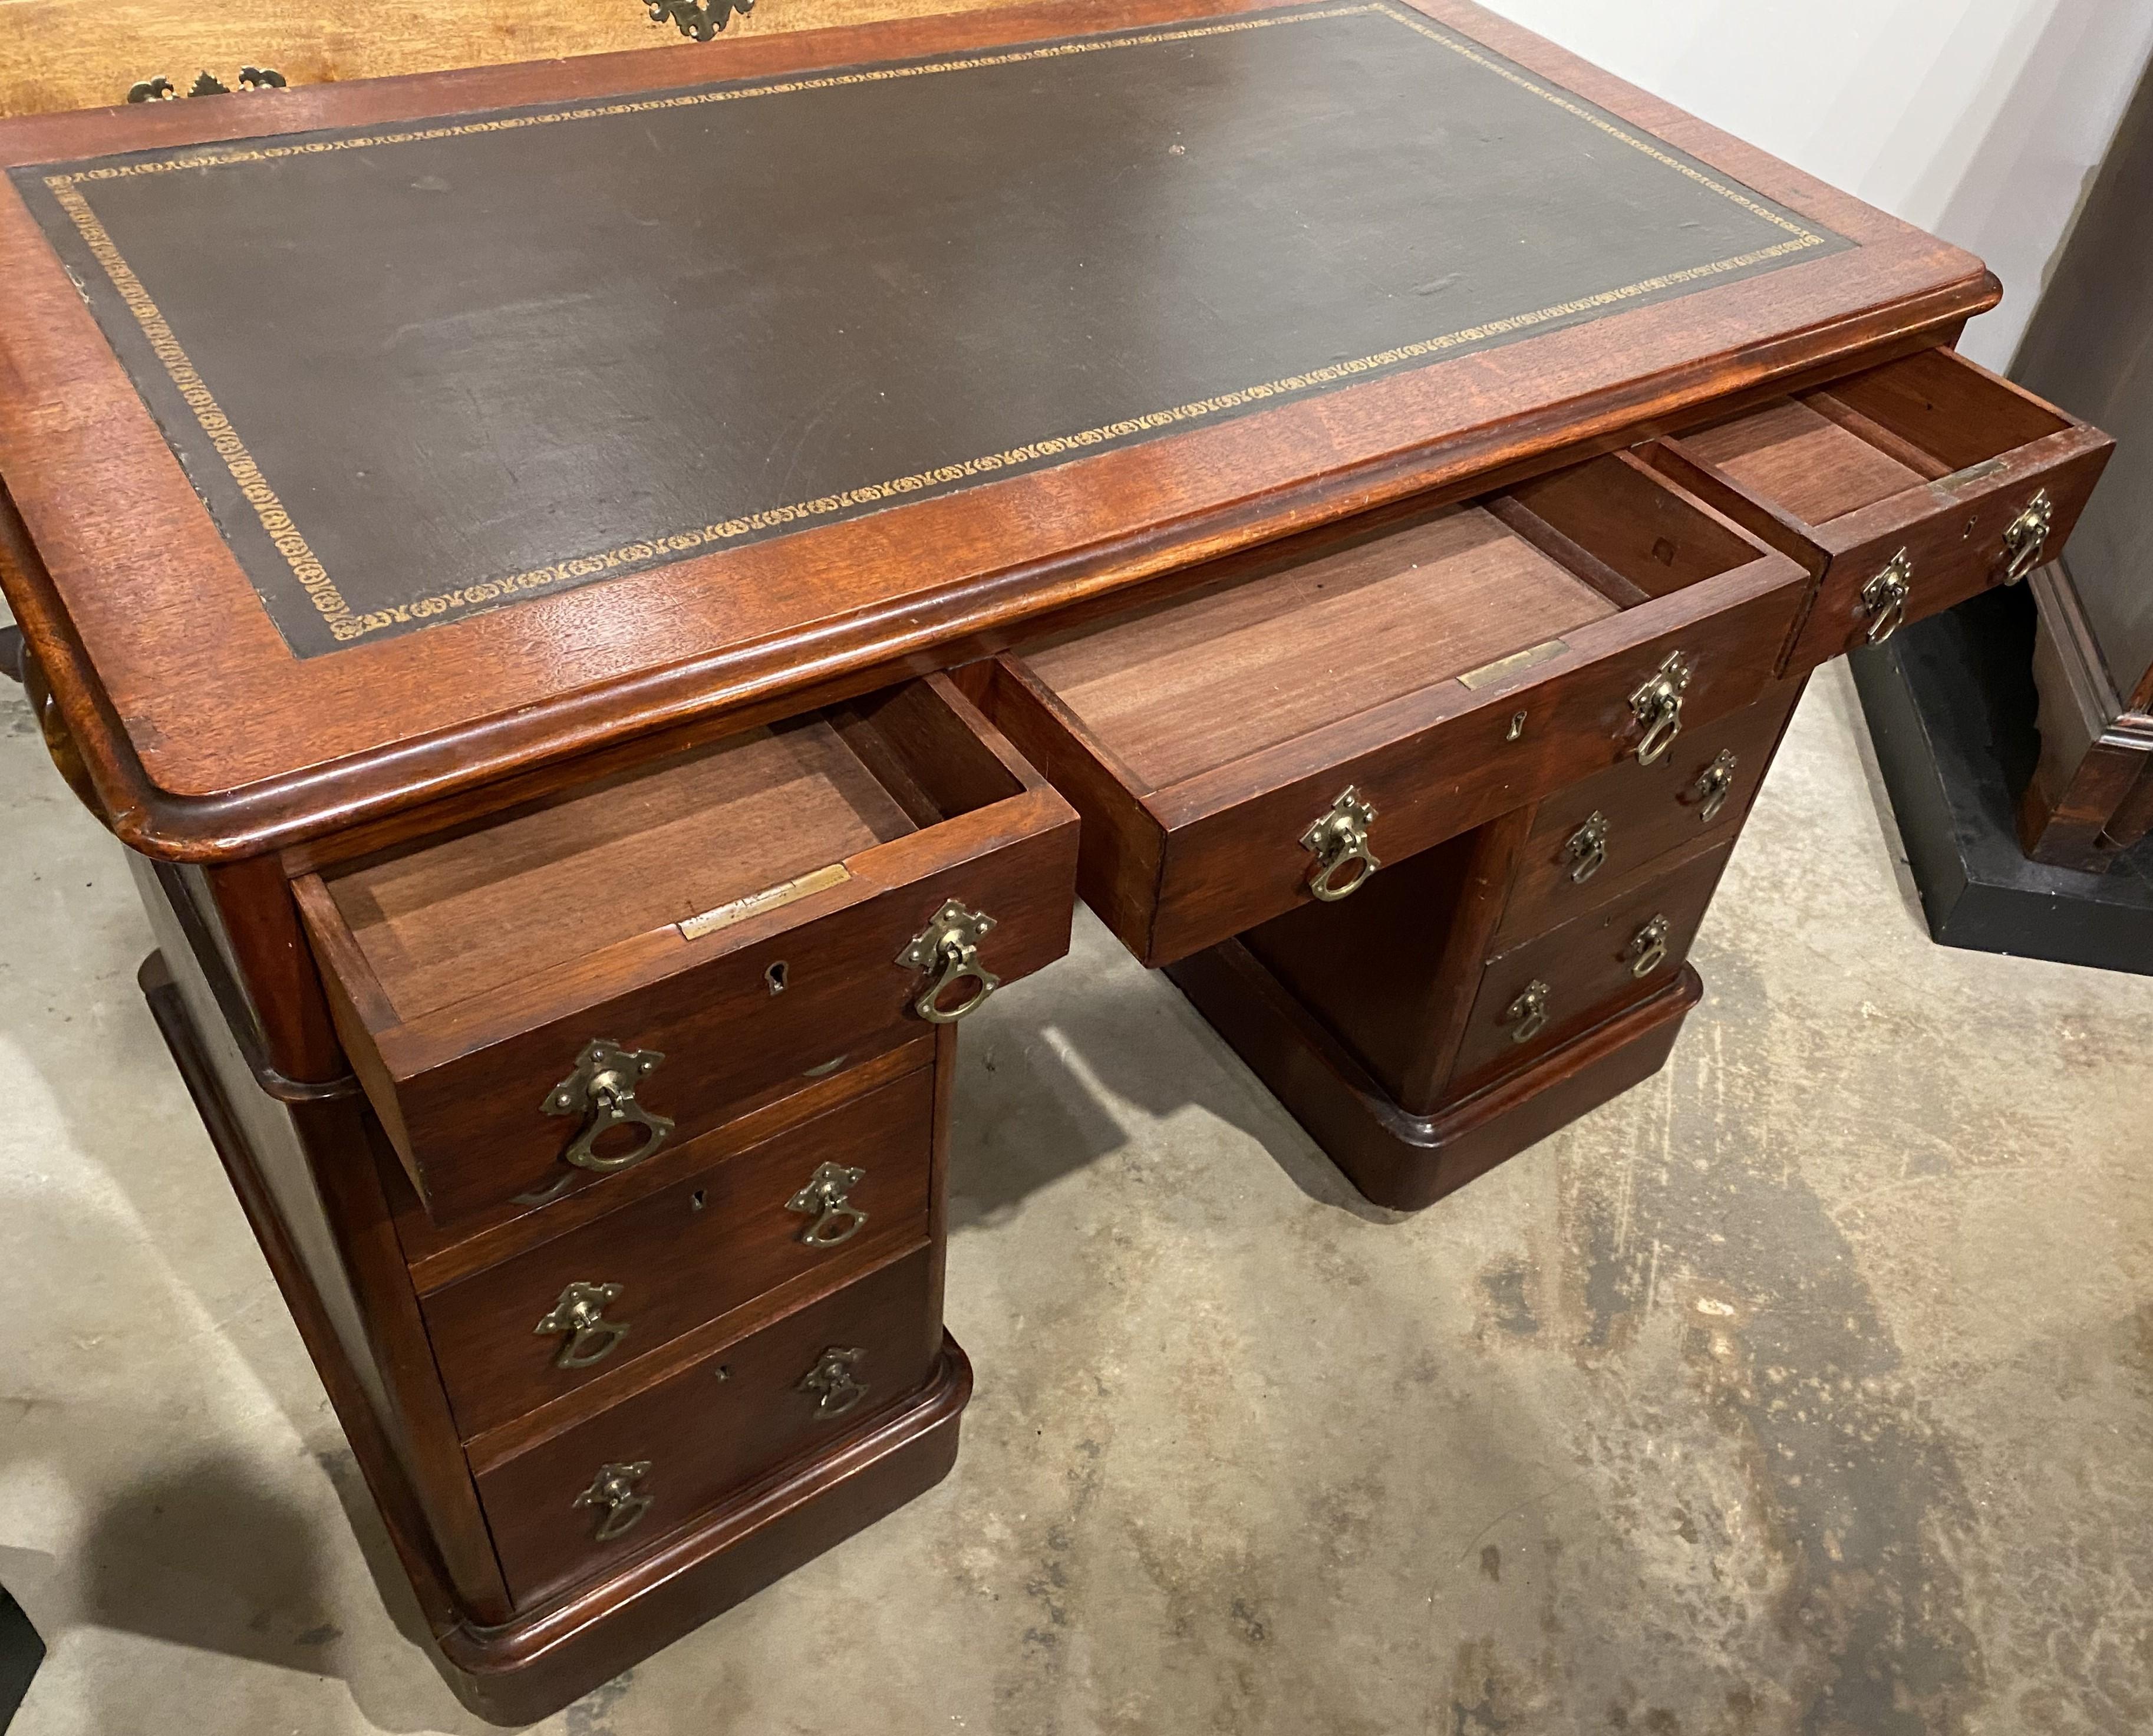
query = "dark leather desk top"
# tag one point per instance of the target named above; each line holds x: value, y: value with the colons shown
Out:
x: 518, y: 410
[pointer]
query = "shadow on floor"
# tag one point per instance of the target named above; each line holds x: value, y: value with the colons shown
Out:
x: 1046, y: 1087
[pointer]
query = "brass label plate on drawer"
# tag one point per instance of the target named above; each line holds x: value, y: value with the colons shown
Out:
x: 771, y: 898
x: 1490, y: 672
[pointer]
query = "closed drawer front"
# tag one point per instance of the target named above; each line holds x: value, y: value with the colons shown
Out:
x: 829, y: 1195
x: 1537, y: 996
x: 1588, y: 840
x: 1365, y: 692
x: 1907, y: 488
x: 554, y: 995
x: 577, y: 1503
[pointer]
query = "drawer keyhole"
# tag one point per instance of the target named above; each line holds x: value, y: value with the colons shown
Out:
x: 774, y: 976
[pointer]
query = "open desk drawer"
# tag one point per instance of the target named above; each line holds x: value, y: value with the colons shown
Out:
x: 1907, y: 489
x: 1368, y: 691
x: 555, y: 992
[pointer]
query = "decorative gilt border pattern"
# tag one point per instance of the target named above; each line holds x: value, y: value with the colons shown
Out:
x: 344, y: 624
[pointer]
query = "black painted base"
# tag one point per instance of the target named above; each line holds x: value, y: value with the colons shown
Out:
x: 1950, y: 706
x: 21, y: 1652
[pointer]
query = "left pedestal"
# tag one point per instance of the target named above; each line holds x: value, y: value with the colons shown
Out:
x: 619, y: 1248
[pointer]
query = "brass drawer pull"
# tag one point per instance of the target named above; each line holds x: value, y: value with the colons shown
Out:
x: 1884, y: 598
x: 602, y: 1090
x: 836, y: 1218
x: 949, y: 945
x: 1528, y: 1015
x: 1657, y: 706
x: 581, y: 1314
x: 1647, y: 949
x: 613, y: 1489
x: 1586, y: 848
x: 2027, y: 536
x: 1339, y: 839
x: 1713, y: 784
x: 836, y: 1388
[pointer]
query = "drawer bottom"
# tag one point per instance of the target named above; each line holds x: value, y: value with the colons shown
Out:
x: 1402, y: 1160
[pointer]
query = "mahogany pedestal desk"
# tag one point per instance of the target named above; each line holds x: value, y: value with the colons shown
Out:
x: 612, y: 602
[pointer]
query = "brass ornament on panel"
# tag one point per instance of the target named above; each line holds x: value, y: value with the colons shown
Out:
x: 161, y: 90
x: 699, y: 20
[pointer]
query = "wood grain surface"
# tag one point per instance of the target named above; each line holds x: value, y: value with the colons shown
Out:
x: 135, y: 605
x: 87, y: 53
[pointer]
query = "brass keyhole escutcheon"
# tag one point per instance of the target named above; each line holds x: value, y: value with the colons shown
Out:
x: 1527, y: 1015
x: 1647, y: 949
x: 1884, y: 598
x: 1586, y: 849
x: 2027, y: 537
x: 612, y: 1492
x: 836, y: 1218
x: 580, y: 1313
x: 1338, y: 839
x: 1657, y: 707
x: 949, y: 947
x: 1713, y: 785
x: 602, y: 1091
x: 834, y: 1381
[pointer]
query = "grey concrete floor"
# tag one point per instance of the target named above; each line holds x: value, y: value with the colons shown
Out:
x: 1809, y: 1387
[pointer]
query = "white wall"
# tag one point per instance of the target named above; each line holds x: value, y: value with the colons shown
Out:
x: 1980, y: 120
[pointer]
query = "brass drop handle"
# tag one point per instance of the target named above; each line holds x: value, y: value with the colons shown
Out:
x: 1338, y: 839
x: 833, y: 1381
x: 1586, y: 849
x: 1884, y: 598
x: 949, y: 947
x: 1657, y: 707
x: 580, y: 1313
x: 1527, y: 1015
x: 836, y: 1218
x: 612, y: 1491
x: 1713, y: 785
x: 2027, y: 537
x: 1647, y: 949
x: 602, y: 1090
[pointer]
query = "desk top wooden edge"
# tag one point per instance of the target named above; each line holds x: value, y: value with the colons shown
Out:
x: 207, y: 740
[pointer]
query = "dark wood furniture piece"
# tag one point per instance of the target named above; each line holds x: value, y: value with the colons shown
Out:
x: 597, y: 594
x: 2090, y: 344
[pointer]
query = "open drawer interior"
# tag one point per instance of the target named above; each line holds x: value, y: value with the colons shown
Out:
x: 660, y: 854
x: 741, y: 911
x: 1920, y: 482
x: 1466, y: 594
x: 1440, y: 664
